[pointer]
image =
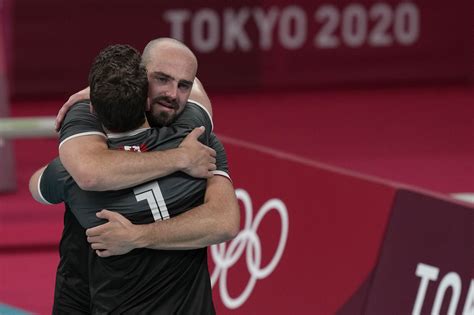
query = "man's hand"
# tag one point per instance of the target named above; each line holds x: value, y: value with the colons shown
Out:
x: 79, y: 96
x: 116, y: 237
x: 200, y: 160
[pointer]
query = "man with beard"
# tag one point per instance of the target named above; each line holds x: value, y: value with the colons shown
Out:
x: 171, y: 69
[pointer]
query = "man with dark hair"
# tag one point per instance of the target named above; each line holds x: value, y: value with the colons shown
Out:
x: 113, y: 79
x: 171, y: 70
x: 156, y: 281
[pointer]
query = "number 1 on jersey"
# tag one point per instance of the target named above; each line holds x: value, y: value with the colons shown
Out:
x: 152, y: 194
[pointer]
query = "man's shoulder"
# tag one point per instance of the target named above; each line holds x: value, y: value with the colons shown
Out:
x: 194, y: 115
x: 80, y: 107
x: 195, y: 105
x: 79, y: 121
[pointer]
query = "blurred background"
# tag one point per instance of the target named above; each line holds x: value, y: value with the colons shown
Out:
x: 377, y: 92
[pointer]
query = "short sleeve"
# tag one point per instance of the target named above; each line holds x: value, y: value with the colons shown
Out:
x: 222, y: 166
x: 79, y: 121
x: 52, y: 182
x: 194, y: 115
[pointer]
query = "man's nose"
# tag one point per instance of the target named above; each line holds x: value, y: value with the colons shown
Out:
x: 172, y: 90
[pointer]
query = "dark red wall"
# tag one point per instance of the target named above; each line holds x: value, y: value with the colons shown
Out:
x: 311, y: 44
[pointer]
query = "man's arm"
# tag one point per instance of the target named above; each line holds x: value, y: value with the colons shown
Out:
x: 73, y: 99
x: 215, y: 221
x: 47, y: 184
x: 198, y: 94
x: 94, y: 167
x: 34, y: 185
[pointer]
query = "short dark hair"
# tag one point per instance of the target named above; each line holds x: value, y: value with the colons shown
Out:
x: 119, y: 88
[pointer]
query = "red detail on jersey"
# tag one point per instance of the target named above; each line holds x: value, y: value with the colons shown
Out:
x: 134, y: 148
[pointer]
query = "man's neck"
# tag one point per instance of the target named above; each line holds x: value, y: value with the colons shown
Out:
x: 143, y: 126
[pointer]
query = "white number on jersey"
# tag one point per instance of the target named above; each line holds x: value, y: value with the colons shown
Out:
x: 152, y: 194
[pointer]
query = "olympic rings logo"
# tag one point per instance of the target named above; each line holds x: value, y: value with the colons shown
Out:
x: 225, y: 257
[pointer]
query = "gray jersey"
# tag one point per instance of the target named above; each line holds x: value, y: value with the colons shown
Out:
x: 156, y: 200
x: 175, y: 281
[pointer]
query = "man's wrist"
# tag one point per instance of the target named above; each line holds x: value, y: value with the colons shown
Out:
x: 143, y: 238
x: 181, y: 159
